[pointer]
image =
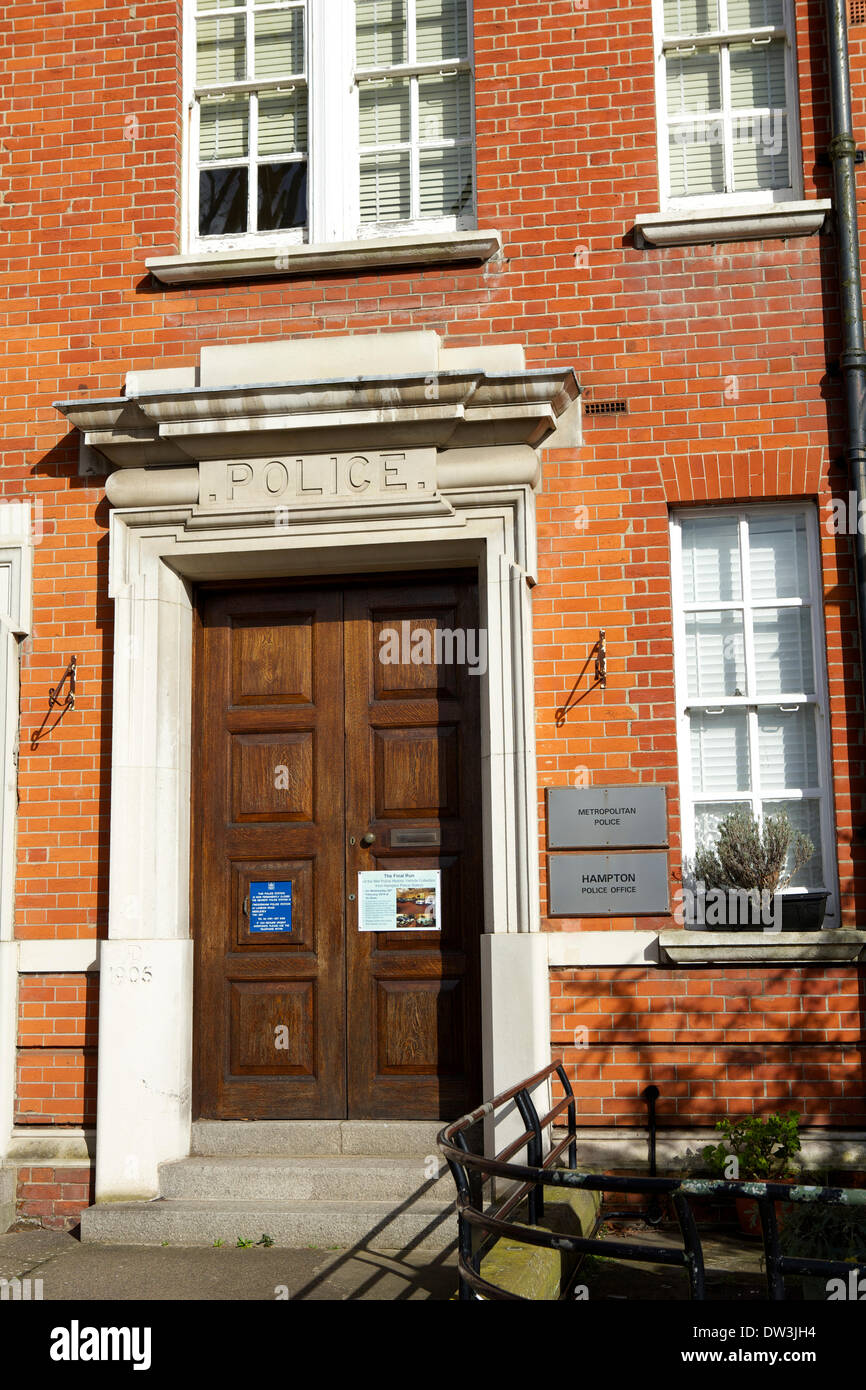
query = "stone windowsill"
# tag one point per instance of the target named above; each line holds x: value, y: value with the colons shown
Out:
x: 253, y: 263
x: 684, y: 947
x: 706, y: 225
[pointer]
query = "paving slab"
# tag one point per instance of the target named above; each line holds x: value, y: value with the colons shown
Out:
x: 732, y: 1263
x: 70, y: 1270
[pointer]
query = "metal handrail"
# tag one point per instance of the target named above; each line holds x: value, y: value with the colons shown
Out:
x: 471, y: 1171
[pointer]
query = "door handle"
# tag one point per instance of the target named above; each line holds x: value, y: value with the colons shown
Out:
x: 368, y: 839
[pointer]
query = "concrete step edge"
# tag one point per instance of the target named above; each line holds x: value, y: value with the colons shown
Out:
x: 375, y: 1225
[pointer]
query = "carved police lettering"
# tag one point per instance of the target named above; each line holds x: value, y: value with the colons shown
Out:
x: 357, y: 480
x: 240, y: 475
x: 393, y: 475
x: 276, y: 477
x: 317, y: 479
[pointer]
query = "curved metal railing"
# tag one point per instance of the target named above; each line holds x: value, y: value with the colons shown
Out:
x: 471, y: 1171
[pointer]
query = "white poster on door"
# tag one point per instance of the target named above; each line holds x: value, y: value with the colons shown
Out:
x: 399, y: 900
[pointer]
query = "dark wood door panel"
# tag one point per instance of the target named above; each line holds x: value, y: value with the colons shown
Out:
x: 413, y: 999
x: 269, y: 800
x: 322, y: 1020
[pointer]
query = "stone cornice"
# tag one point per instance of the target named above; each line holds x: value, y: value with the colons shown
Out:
x: 705, y: 226
x: 445, y: 410
x: 684, y: 947
x: 438, y: 248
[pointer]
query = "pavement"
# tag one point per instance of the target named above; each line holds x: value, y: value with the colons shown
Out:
x: 69, y: 1270
x: 72, y: 1271
x: 733, y: 1265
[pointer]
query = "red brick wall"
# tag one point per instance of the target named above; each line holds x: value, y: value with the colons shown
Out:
x: 716, y: 1042
x: 54, y: 1197
x: 57, y: 1023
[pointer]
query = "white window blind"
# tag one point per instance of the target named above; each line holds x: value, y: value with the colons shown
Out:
x: 415, y: 124
x: 328, y: 119
x: 727, y: 100
x: 750, y: 680
x: 250, y: 118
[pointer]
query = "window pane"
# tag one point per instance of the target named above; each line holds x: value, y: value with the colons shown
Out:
x: 695, y: 167
x: 279, y: 43
x: 691, y: 16
x: 694, y: 82
x: 283, y: 122
x: 805, y: 816
x: 754, y: 14
x: 778, y: 557
x: 218, y: 5
x: 711, y: 560
x: 380, y: 33
x: 758, y: 75
x: 224, y: 129
x: 444, y: 107
x: 783, y: 651
x: 720, y: 753
x: 222, y: 201
x: 441, y: 30
x: 760, y: 153
x: 446, y: 182
x: 384, y: 113
x: 708, y: 818
x: 282, y: 199
x: 220, y: 50
x: 715, y: 654
x: 788, y: 748
x: 385, y: 195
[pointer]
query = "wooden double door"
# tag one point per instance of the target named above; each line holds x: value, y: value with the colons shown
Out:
x: 324, y: 748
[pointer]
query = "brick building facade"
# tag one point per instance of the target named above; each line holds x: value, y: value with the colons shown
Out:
x: 703, y: 329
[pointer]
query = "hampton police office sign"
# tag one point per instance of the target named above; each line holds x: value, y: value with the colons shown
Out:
x: 599, y: 885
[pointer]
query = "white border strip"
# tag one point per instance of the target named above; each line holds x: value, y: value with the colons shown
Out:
x: 58, y: 957
x: 590, y: 948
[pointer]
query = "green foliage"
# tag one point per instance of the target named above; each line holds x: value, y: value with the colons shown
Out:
x: 824, y: 1231
x: 753, y: 856
x: 218, y: 1243
x: 244, y: 1244
x: 763, y: 1148
x: 265, y: 1240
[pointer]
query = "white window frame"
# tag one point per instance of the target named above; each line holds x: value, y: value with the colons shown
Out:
x: 721, y: 38
x: 819, y: 699
x: 333, y: 152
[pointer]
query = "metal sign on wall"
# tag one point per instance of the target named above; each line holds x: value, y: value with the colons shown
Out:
x: 606, y: 817
x: 600, y: 885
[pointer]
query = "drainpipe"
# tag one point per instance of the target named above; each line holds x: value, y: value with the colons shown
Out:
x: 853, y: 359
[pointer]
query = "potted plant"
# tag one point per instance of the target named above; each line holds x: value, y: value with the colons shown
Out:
x: 756, y: 1151
x: 752, y: 859
x: 824, y: 1231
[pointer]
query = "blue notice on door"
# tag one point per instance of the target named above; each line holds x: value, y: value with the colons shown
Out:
x: 271, y: 907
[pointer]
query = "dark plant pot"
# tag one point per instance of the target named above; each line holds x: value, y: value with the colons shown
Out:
x: 804, y: 911
x: 799, y: 912
x: 749, y: 1216
x: 739, y: 915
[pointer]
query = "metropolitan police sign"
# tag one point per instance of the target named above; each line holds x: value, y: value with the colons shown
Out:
x: 606, y: 817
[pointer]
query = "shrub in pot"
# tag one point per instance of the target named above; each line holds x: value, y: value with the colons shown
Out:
x: 751, y: 860
x: 755, y: 1150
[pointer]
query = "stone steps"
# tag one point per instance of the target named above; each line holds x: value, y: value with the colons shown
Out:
x: 382, y: 1225
x: 330, y: 1184
x: 343, y: 1177
x: 300, y: 1138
